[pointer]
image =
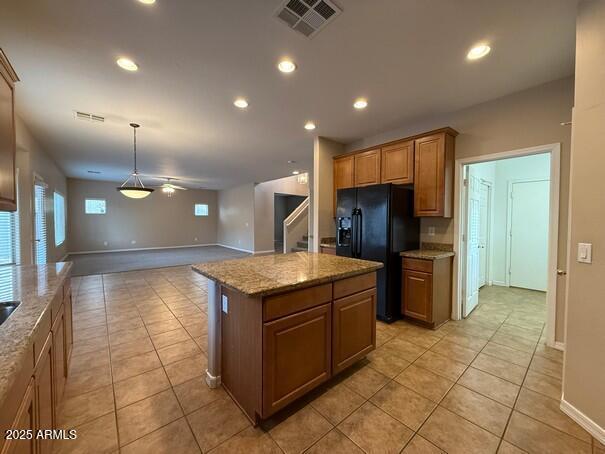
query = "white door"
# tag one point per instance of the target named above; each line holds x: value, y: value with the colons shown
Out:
x: 472, y: 246
x: 484, y: 233
x: 529, y: 234
x: 39, y: 223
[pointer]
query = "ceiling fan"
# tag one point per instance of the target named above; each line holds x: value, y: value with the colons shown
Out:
x: 168, y: 187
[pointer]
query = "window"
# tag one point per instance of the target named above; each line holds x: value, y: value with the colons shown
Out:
x: 39, y: 222
x: 59, y: 219
x: 201, y: 209
x: 9, y: 238
x: 95, y: 206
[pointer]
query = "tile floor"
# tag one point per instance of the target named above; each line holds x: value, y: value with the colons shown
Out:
x: 484, y: 385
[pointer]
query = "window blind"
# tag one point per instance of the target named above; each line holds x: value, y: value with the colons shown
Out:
x: 40, y: 223
x: 10, y: 250
x: 59, y: 215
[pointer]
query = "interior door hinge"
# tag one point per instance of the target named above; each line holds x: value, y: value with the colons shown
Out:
x: 466, y: 182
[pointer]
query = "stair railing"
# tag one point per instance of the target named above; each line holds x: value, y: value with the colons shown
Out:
x: 296, y: 225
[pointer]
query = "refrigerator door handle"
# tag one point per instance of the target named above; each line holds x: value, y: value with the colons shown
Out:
x: 353, y: 232
x: 359, y: 232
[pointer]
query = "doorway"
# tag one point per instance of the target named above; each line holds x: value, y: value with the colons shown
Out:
x: 506, y: 233
x: 284, y: 205
x: 39, y: 235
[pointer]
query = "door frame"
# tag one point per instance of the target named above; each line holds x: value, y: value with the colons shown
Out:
x: 459, y: 271
x: 37, y: 180
x: 509, y: 221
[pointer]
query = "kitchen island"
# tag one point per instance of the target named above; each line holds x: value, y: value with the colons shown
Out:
x: 280, y: 325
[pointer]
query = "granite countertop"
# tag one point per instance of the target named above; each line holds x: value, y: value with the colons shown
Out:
x: 35, y: 287
x: 265, y: 275
x: 331, y: 245
x: 427, y: 254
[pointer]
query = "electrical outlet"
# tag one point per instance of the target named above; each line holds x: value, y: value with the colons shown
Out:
x: 105, y: 243
x: 195, y: 239
x: 133, y: 242
x: 431, y: 231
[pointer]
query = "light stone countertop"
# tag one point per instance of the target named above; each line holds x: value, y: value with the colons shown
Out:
x: 270, y: 274
x: 427, y: 254
x: 35, y: 287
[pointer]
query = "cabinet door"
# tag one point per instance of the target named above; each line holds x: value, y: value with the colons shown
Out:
x: 43, y: 380
x: 343, y: 174
x: 296, y: 356
x: 60, y: 355
x: 418, y: 295
x: 367, y: 168
x: 25, y: 420
x: 354, y: 329
x: 69, y: 331
x: 7, y: 138
x: 429, y: 176
x: 397, y: 163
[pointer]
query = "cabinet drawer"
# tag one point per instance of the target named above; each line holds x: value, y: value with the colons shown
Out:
x: 55, y: 306
x: 425, y: 266
x: 289, y: 303
x: 355, y: 284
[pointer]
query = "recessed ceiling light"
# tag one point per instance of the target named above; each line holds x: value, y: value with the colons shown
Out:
x: 296, y: 172
x: 286, y: 66
x: 96, y: 172
x: 241, y: 103
x: 479, y: 51
x: 360, y: 103
x: 147, y: 2
x: 291, y: 162
x: 127, y: 64
x: 310, y: 126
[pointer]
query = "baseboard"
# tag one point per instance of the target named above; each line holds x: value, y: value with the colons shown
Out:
x: 584, y: 421
x: 272, y: 251
x: 499, y: 283
x: 235, y: 248
x: 558, y: 346
x: 142, y: 249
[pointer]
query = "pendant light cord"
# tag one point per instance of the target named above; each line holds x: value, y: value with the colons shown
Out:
x: 135, y: 150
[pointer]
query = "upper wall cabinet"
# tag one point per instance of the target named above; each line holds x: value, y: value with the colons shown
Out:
x: 433, y: 175
x: 8, y: 144
x: 367, y: 168
x: 425, y: 160
x: 398, y: 163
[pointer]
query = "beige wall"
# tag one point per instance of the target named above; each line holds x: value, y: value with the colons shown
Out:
x: 156, y: 221
x: 264, y: 208
x: 521, y: 120
x: 236, y: 217
x: 584, y: 363
x: 322, y: 200
x: 32, y: 158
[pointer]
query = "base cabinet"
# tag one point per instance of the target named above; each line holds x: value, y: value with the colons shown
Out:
x: 296, y: 356
x: 45, y: 401
x: 354, y: 329
x: 60, y: 355
x: 25, y: 420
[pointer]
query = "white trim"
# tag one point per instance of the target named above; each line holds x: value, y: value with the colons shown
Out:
x: 234, y: 248
x: 64, y: 257
x: 499, y: 284
x: 555, y: 156
x: 583, y: 421
x: 264, y: 252
x: 559, y: 346
x: 144, y: 249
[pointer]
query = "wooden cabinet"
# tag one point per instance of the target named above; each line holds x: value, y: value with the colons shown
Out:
x: 45, y: 403
x: 25, y: 420
x: 367, y: 168
x: 427, y: 290
x: 425, y: 160
x: 353, y: 329
x: 60, y: 354
x: 397, y: 163
x: 69, y: 323
x: 327, y: 250
x: 433, y: 175
x: 8, y: 142
x: 297, y: 353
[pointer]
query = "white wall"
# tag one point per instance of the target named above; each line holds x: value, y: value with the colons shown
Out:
x: 236, y: 217
x: 500, y: 174
x: 264, y: 208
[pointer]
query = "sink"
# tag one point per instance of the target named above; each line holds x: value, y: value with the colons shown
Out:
x: 6, y: 309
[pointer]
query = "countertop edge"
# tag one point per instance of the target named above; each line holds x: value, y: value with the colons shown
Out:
x: 20, y: 355
x: 310, y: 283
x: 427, y: 254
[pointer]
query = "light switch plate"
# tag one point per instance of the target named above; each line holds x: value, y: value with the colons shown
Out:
x: 225, y: 303
x: 585, y: 252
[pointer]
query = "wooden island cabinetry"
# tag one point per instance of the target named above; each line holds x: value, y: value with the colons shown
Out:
x: 285, y: 331
x: 425, y: 161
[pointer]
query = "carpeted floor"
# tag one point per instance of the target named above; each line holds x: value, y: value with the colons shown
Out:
x: 114, y: 262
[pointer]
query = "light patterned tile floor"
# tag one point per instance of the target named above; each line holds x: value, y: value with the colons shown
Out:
x: 486, y: 384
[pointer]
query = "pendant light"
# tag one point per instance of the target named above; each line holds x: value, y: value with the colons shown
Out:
x: 135, y: 189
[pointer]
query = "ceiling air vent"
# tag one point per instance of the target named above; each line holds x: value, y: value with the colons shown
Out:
x: 307, y: 17
x: 88, y: 117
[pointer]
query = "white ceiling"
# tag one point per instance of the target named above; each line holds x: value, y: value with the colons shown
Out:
x: 195, y: 56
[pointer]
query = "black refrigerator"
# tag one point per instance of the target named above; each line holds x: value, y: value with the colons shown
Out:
x: 377, y: 223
